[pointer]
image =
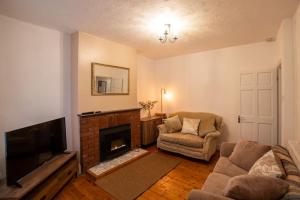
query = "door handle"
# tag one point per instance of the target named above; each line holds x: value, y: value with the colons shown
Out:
x: 239, y: 119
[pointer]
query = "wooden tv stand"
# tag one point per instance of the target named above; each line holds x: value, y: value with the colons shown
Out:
x: 46, y: 181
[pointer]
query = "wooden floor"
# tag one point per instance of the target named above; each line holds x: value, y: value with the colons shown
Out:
x: 176, y: 185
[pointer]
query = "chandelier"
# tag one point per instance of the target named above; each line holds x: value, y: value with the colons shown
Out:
x: 167, y: 35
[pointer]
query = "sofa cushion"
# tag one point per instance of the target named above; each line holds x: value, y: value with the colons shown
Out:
x: 202, y: 195
x: 246, y: 153
x: 207, y: 125
x: 173, y: 124
x: 255, y: 187
x: 226, y: 149
x: 267, y: 166
x: 215, y: 183
x: 190, y: 126
x: 226, y: 167
x: 189, y: 140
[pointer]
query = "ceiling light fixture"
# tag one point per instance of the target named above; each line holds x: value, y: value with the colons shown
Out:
x: 167, y: 35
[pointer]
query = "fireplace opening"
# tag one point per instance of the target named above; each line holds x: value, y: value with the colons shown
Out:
x: 114, y: 141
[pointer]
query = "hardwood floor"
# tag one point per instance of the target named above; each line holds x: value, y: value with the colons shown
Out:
x: 176, y: 185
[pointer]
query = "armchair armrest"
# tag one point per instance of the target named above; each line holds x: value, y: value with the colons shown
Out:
x: 202, y: 195
x: 162, y: 128
x: 226, y: 149
x: 210, y: 144
x: 214, y: 134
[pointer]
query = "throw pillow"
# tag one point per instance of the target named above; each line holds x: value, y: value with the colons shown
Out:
x: 290, y: 168
x: 173, y: 124
x: 292, y: 194
x: 255, y: 188
x: 190, y: 126
x: 266, y: 166
x: 206, y: 126
x: 246, y: 153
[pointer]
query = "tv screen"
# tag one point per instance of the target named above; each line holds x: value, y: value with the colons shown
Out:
x: 30, y: 147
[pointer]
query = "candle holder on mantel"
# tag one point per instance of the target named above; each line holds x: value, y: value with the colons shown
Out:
x: 148, y: 106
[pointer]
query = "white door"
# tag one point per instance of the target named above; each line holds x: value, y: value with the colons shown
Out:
x: 258, y: 107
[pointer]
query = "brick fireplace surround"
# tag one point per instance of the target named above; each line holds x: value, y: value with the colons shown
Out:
x: 89, y: 132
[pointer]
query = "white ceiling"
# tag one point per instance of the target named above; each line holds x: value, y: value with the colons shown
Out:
x: 207, y: 24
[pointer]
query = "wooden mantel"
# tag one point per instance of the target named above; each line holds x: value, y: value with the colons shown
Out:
x: 91, y: 124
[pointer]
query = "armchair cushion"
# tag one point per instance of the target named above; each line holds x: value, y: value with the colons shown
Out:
x: 173, y: 124
x: 162, y: 128
x: 207, y: 125
x: 201, y: 116
x: 189, y: 140
x: 190, y: 126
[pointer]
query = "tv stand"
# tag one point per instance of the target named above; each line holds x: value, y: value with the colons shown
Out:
x: 45, y: 181
x: 18, y: 185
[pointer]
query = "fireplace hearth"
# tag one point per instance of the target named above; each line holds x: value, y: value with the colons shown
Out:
x: 114, y: 141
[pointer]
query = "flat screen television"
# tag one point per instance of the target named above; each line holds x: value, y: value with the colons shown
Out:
x: 28, y: 148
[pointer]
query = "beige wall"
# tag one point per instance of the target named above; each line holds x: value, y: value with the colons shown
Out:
x: 87, y: 49
x: 34, y: 78
x: 95, y: 49
x: 285, y: 57
x: 209, y: 81
x: 296, y: 23
x: 288, y: 45
x: 146, y: 82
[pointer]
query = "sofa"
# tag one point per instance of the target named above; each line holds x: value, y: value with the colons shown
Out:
x: 216, y: 182
x: 191, y: 145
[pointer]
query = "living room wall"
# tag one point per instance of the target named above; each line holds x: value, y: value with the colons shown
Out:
x: 284, y: 47
x: 94, y: 49
x: 288, y: 45
x: 34, y: 77
x: 86, y: 49
x: 296, y: 24
x: 209, y: 81
x: 146, y: 83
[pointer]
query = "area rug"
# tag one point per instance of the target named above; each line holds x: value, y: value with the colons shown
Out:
x: 132, y: 180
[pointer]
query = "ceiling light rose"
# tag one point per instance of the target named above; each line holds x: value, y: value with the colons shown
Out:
x: 167, y: 35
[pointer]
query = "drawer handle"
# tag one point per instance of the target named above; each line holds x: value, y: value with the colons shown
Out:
x: 69, y: 172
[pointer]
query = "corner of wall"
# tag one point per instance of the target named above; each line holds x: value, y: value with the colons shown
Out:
x: 74, y: 93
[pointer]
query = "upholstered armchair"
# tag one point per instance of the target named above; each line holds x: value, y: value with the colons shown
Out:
x: 188, y: 144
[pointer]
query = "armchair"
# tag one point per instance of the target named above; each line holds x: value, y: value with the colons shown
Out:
x: 188, y: 144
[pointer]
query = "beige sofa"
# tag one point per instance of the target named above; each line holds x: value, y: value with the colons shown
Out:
x: 217, y: 180
x: 213, y: 188
x: 188, y: 144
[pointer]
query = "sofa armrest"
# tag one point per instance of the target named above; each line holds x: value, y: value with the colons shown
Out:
x: 226, y: 149
x: 202, y: 195
x: 214, y: 134
x: 162, y: 128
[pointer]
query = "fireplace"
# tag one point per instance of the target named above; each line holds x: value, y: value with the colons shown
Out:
x: 90, y: 126
x: 114, y: 141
